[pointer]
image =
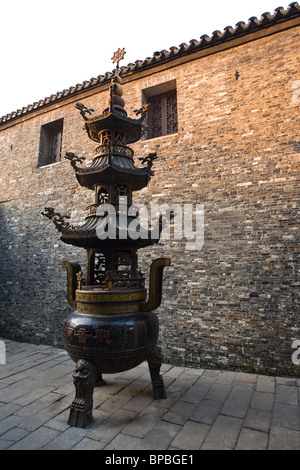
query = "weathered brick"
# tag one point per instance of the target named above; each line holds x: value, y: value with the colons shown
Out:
x: 234, y: 304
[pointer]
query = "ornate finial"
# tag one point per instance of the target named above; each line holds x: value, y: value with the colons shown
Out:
x: 118, y: 55
x: 116, y: 89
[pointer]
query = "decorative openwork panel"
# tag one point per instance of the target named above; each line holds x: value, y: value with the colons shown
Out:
x: 99, y: 268
x: 122, y: 261
x: 106, y: 138
x: 120, y: 190
x: 120, y: 138
x: 103, y: 196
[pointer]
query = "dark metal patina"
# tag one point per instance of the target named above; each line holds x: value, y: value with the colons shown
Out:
x: 113, y: 328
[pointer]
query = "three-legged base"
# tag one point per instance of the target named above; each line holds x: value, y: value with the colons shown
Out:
x: 155, y: 361
x: 86, y: 377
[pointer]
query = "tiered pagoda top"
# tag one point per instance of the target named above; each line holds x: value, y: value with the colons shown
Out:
x: 113, y: 160
x: 112, y: 174
x: 113, y: 130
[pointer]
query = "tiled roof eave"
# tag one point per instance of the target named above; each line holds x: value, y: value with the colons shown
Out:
x: 254, y: 25
x: 217, y: 38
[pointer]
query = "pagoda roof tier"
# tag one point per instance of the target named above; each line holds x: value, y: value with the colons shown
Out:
x: 86, y: 236
x: 115, y: 168
x: 117, y: 121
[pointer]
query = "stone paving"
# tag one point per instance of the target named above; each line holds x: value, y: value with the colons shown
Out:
x: 204, y: 410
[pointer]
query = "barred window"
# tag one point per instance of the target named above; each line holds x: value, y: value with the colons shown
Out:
x: 50, y: 143
x: 162, y: 119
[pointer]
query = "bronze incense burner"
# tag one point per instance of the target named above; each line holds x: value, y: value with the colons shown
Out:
x: 114, y: 327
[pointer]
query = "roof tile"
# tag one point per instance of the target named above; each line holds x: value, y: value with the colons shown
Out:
x: 205, y: 41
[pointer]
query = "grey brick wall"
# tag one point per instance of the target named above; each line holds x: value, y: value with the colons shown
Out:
x: 235, y: 303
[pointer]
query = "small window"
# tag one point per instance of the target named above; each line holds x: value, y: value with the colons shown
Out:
x: 162, y: 116
x: 50, y: 143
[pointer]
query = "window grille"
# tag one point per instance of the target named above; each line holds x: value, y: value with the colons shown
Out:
x: 162, y: 115
x: 50, y: 143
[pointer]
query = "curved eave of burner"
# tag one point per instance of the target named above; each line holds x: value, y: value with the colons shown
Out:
x: 121, y: 169
x: 86, y: 236
x: 89, y: 239
x: 132, y: 128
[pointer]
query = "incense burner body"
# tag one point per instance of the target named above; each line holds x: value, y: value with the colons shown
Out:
x: 115, y: 341
x: 111, y: 331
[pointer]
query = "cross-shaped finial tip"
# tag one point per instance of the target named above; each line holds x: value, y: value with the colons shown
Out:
x: 118, y: 55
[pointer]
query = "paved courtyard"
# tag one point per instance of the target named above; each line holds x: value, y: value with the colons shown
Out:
x: 204, y: 410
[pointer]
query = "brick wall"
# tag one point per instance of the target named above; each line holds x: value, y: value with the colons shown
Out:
x: 233, y: 304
